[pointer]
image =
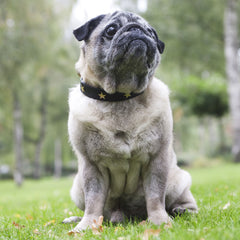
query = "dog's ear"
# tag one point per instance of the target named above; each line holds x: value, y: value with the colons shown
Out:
x: 160, y: 44
x: 84, y: 32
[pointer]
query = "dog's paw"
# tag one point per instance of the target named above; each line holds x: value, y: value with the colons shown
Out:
x: 178, y: 211
x: 117, y: 216
x: 159, y: 219
x: 87, y: 222
x: 73, y: 219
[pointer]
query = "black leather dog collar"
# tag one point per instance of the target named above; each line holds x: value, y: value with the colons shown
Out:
x: 100, y: 94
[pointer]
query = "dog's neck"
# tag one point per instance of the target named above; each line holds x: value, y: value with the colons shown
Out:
x: 100, y: 94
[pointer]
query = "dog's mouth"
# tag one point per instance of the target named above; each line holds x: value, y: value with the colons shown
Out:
x: 133, y: 45
x: 138, y: 51
x: 131, y: 60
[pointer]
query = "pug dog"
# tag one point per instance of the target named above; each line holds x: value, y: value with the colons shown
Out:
x: 121, y: 128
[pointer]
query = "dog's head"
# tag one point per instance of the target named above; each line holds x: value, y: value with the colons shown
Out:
x: 119, y: 53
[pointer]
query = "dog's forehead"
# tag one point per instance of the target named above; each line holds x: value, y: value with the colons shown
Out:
x: 127, y: 17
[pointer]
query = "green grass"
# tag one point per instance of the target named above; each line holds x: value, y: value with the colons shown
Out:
x: 36, y: 210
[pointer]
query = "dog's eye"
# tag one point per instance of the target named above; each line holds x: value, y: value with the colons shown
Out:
x: 111, y: 31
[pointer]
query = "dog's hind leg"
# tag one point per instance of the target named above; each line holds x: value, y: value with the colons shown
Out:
x: 113, y: 212
x: 179, y: 198
x: 185, y: 203
x: 117, y: 216
x: 77, y: 192
x: 78, y: 197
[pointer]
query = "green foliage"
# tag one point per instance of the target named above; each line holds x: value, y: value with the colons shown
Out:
x: 42, y: 205
x: 192, y: 31
x: 201, y: 97
x: 198, y: 136
x: 37, y: 62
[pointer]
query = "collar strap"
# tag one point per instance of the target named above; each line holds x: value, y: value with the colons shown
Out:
x: 100, y: 94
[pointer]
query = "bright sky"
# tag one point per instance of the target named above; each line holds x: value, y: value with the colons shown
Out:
x: 87, y: 9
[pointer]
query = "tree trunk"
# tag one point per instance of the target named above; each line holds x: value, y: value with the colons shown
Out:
x: 18, y: 139
x: 232, y: 71
x: 58, y: 159
x: 222, y: 142
x: 41, y: 135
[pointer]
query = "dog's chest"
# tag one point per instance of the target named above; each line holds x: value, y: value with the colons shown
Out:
x: 123, y: 147
x: 130, y: 138
x: 121, y: 137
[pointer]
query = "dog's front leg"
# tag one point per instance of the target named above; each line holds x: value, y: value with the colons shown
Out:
x: 95, y: 193
x: 154, y: 183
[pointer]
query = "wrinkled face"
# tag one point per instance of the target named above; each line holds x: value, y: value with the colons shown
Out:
x: 120, y: 52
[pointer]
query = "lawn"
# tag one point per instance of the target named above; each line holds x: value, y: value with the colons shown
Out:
x: 36, y: 210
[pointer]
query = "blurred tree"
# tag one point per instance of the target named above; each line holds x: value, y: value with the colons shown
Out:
x: 192, y: 31
x: 203, y: 97
x: 206, y: 97
x: 33, y: 51
x: 232, y: 47
x: 11, y: 62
